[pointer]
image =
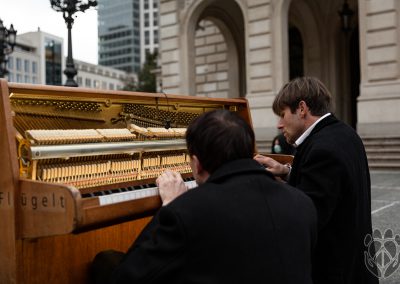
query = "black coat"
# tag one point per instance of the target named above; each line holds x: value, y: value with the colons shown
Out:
x: 241, y: 226
x: 331, y: 167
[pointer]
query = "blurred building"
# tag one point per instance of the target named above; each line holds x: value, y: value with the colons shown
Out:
x: 38, y: 59
x: 128, y: 29
x: 250, y: 48
x: 148, y: 28
x: 99, y: 77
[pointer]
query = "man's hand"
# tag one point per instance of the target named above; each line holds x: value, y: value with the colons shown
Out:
x: 276, y: 168
x: 170, y: 185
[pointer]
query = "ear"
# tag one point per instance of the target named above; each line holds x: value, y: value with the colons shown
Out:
x: 197, y: 167
x: 199, y: 173
x: 303, y: 109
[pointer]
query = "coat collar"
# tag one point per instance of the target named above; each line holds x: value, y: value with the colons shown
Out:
x: 323, y: 123
x: 237, y: 167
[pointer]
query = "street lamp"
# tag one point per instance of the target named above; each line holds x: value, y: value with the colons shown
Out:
x: 7, y: 43
x: 69, y: 8
x: 345, y: 16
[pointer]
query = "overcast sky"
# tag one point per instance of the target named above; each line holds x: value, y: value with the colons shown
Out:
x: 28, y: 15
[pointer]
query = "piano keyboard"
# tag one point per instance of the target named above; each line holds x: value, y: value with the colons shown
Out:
x: 132, y: 193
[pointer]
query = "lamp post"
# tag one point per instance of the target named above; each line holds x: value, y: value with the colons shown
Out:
x: 69, y: 8
x: 7, y: 43
x: 345, y: 16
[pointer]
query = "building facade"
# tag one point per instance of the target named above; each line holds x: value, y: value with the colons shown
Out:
x: 148, y: 28
x: 119, y: 34
x: 250, y: 48
x: 38, y: 59
x: 99, y: 77
x: 128, y: 29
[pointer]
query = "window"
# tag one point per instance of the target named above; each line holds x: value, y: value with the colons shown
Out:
x: 155, y: 35
x: 146, y: 37
x: 26, y: 79
x: 34, y: 67
x: 26, y: 66
x: 79, y: 80
x: 10, y: 76
x: 155, y: 19
x: 88, y: 83
x: 19, y: 64
x: 111, y: 86
x: 10, y: 64
x: 19, y: 78
x: 34, y: 80
x: 53, y: 62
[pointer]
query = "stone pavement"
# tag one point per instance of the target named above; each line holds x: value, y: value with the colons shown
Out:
x: 385, y: 208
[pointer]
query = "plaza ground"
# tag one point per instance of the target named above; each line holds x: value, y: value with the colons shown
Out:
x: 385, y: 208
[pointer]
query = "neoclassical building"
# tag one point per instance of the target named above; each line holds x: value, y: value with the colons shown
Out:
x: 250, y: 48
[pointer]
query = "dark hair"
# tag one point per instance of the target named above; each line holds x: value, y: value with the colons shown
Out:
x: 219, y: 136
x: 308, y: 89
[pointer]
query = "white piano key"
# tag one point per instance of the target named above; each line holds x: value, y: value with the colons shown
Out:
x: 135, y: 194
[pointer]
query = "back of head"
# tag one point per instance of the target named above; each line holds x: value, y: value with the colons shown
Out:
x: 308, y: 89
x: 218, y: 137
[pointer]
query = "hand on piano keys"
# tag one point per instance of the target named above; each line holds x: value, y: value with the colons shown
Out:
x: 132, y: 192
x: 170, y: 185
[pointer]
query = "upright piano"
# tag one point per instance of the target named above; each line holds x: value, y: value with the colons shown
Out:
x: 78, y: 169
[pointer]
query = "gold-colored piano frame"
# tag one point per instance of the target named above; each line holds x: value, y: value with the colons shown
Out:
x: 48, y: 245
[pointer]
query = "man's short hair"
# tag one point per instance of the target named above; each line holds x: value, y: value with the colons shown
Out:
x: 218, y: 137
x: 308, y: 89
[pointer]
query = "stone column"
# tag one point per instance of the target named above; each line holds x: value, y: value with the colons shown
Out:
x: 260, y: 76
x: 170, y: 49
x: 379, y: 101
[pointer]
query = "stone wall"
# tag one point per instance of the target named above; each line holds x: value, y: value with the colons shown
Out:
x: 211, y: 62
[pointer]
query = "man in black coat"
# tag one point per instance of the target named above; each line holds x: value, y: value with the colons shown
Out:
x: 238, y: 226
x: 331, y: 167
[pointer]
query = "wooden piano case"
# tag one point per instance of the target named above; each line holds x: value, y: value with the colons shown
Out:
x: 50, y: 232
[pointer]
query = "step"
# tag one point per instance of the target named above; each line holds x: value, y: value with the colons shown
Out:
x: 384, y: 165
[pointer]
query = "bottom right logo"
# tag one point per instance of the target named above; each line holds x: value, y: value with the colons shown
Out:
x: 382, y: 255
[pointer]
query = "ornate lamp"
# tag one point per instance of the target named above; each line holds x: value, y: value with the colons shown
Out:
x: 69, y: 8
x: 7, y: 42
